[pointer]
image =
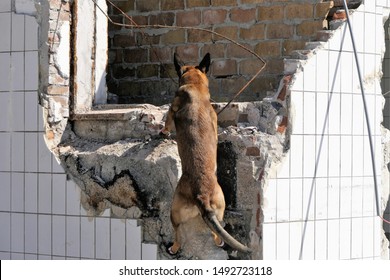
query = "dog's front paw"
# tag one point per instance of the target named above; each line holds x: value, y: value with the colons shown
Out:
x: 165, y: 133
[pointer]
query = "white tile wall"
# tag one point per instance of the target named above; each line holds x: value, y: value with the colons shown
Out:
x: 40, y: 211
x: 331, y: 210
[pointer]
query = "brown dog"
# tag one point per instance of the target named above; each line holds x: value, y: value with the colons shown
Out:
x: 195, y: 120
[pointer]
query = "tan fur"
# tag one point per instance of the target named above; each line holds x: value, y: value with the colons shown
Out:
x: 195, y: 121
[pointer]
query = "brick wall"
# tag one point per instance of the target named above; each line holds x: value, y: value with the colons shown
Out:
x: 140, y: 61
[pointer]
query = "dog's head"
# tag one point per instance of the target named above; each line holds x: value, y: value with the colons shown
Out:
x: 192, y: 74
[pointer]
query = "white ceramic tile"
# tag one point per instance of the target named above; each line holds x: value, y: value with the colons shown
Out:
x: 57, y: 168
x: 345, y: 197
x: 133, y: 240
x: 31, y: 233
x: 270, y: 201
x: 5, y: 151
x: 378, y: 231
x: 31, y: 192
x: 5, y: 108
x: 44, y: 156
x: 296, y: 186
x: 370, y: 36
x: 322, y: 113
x: 297, y: 83
x: 358, y: 115
x: 17, y: 256
x: 368, y: 237
x: 102, y: 238
x: 309, y: 155
x: 149, y: 251
x: 44, y: 234
x: 5, y: 233
x: 310, y: 75
x: 346, y: 117
x: 5, y: 6
x: 357, y: 155
x: 30, y: 257
x: 5, y: 23
x: 355, y: 77
x: 17, y: 192
x: 87, y: 237
x: 59, y: 239
x: 321, y: 153
x: 333, y: 198
x: 334, y: 72
x: 17, y: 121
x: 357, y: 196
x: 297, y: 107
x: 308, y: 241
x: 31, y: 70
x: 322, y: 79
x: 346, y: 156
x: 371, y: 110
x: 17, y: 41
x: 309, y: 113
x: 345, y: 72
x: 334, y: 156
x: 284, y: 167
x: 335, y: 114
x: 17, y: 232
x: 5, y: 190
x: 358, y: 25
x: 283, y: 200
x: 59, y: 194
x: 45, y: 193
x: 44, y: 257
x: 31, y: 33
x: 357, y: 238
x: 72, y: 198
x: 269, y: 241
x: 345, y: 239
x: 31, y: 111
x: 295, y: 238
x: 73, y: 236
x: 333, y: 241
x: 118, y: 239
x: 282, y: 241
x: 17, y: 152
x: 321, y: 240
x: 308, y: 194
x: 334, y: 43
x: 17, y: 71
x: 31, y: 154
x: 321, y: 198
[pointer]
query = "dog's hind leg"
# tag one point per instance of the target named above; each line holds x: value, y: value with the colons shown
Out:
x: 218, y: 205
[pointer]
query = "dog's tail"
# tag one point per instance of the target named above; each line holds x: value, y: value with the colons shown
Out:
x: 212, y: 222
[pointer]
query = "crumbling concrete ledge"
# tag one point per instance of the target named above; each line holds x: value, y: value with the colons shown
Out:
x: 121, y: 162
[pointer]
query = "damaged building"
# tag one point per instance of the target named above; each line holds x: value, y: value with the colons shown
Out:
x: 86, y: 175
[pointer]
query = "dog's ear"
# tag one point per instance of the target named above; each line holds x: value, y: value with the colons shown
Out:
x: 178, y: 64
x: 204, y: 65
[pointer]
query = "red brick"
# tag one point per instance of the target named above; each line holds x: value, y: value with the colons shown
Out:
x: 124, y: 41
x: 268, y: 49
x: 136, y: 20
x: 236, y: 51
x: 125, y: 6
x: 309, y: 28
x: 191, y: 18
x: 299, y: 11
x: 255, y: 32
x: 198, y: 36
x: 167, y: 5
x: 197, y: 3
x: 291, y: 45
x: 321, y: 10
x: 216, y: 3
x: 279, y: 31
x: 188, y: 53
x: 162, y: 19
x: 250, y: 66
x: 224, y: 67
x: 136, y: 55
x: 147, y: 70
x: 270, y: 13
x: 243, y: 15
x: 163, y: 54
x: 229, y: 31
x: 173, y: 37
x: 214, y: 16
x: 148, y: 5
x: 216, y: 50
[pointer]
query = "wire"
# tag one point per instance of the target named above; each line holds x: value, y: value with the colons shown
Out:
x: 366, y: 114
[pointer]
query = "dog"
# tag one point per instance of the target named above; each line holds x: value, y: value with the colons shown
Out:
x: 195, y: 121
